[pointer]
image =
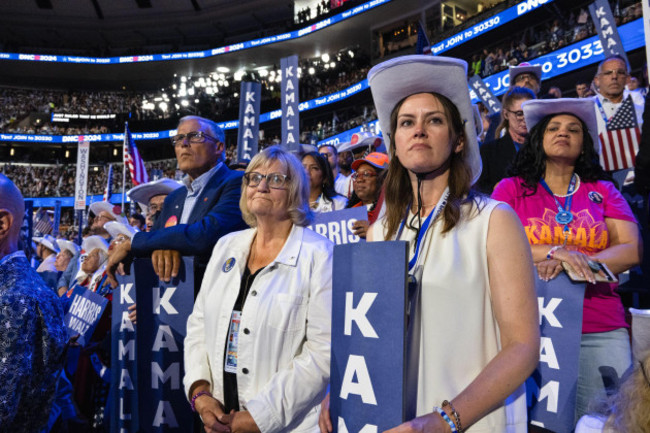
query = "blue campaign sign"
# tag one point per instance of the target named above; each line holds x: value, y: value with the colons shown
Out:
x: 368, y: 364
x: 551, y: 389
x: 124, y: 361
x: 249, y: 118
x: 337, y: 225
x: 605, y: 24
x: 484, y: 93
x: 290, y: 102
x: 83, y: 315
x: 163, y: 309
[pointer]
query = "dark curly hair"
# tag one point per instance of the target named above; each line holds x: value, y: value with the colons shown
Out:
x: 530, y: 162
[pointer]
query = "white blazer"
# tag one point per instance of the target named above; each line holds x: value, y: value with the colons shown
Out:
x: 284, y: 336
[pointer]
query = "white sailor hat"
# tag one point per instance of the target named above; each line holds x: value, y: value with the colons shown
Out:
x: 583, y: 108
x: 143, y: 192
x: 393, y: 80
x: 49, y: 242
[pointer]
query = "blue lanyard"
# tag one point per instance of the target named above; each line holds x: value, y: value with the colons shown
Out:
x: 564, y: 215
x: 425, y: 226
x: 602, y: 110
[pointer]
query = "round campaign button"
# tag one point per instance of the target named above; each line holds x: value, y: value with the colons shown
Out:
x: 171, y: 222
x: 596, y: 197
x: 228, y: 264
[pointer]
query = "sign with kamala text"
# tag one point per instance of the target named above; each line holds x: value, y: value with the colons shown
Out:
x: 124, y: 361
x: 368, y: 364
x: 249, y: 120
x: 551, y: 388
x: 155, y: 396
x: 290, y: 101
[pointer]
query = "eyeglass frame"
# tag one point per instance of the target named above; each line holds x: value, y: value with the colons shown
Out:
x: 363, y: 176
x: 516, y: 113
x: 285, y: 178
x: 180, y: 138
x: 525, y: 75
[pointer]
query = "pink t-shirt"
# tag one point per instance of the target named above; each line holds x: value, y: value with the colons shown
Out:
x: 592, y: 203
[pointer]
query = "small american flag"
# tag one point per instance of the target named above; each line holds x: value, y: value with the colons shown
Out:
x: 42, y: 222
x: 108, y: 191
x: 422, y: 46
x: 621, y: 140
x: 133, y: 160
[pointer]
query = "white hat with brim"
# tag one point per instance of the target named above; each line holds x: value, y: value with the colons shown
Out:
x: 68, y: 245
x: 144, y: 192
x: 92, y: 242
x: 525, y: 68
x: 104, y: 206
x: 48, y: 242
x: 393, y: 80
x: 583, y: 108
x: 362, y: 139
x: 114, y: 228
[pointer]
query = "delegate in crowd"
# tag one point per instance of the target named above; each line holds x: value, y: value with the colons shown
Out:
x: 265, y: 273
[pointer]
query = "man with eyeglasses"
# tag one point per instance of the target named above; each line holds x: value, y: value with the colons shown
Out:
x: 619, y: 113
x: 195, y: 217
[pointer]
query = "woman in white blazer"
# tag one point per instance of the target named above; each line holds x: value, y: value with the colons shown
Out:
x: 257, y: 351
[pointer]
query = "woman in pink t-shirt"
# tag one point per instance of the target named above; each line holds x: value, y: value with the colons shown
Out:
x: 572, y: 213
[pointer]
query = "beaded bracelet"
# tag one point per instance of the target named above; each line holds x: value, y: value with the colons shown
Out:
x: 448, y: 420
x: 197, y: 395
x: 552, y: 251
x: 455, y: 414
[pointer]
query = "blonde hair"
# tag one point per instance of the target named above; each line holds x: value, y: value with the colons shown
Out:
x: 298, y: 186
x: 629, y: 406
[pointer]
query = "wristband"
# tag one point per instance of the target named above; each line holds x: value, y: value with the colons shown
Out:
x: 445, y: 417
x: 552, y: 251
x: 197, y: 395
x: 455, y: 414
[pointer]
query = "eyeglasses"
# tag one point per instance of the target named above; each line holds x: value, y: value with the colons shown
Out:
x: 193, y: 137
x: 362, y: 176
x: 518, y: 114
x: 273, y: 180
x: 522, y: 77
x: 611, y: 72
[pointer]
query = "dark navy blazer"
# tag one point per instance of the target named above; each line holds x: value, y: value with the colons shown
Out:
x: 497, y: 157
x: 216, y: 213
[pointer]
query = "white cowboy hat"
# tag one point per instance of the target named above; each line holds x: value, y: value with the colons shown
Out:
x: 524, y: 68
x: 583, y: 108
x: 49, y: 242
x: 114, y: 228
x: 68, y: 245
x: 143, y: 192
x: 393, y: 80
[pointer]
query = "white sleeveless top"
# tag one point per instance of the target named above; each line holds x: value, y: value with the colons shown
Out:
x: 459, y: 332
